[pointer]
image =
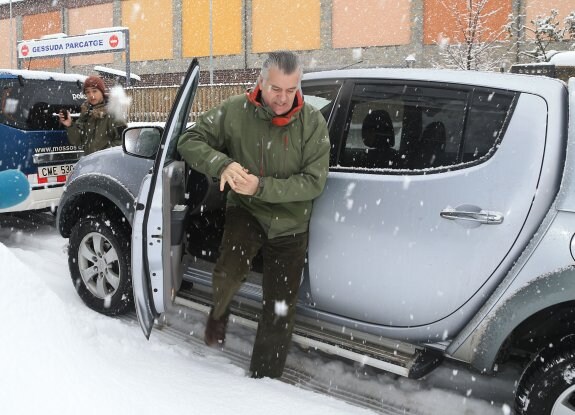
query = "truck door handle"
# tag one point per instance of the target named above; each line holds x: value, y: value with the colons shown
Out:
x: 483, y: 216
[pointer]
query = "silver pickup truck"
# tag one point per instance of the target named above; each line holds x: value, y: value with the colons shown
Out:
x: 446, y: 229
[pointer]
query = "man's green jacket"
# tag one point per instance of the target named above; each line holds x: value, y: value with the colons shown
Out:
x: 291, y: 161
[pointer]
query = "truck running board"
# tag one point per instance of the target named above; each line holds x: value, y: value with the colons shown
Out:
x: 392, y: 356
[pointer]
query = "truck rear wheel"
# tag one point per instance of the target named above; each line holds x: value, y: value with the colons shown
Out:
x: 547, y: 387
x: 99, y: 261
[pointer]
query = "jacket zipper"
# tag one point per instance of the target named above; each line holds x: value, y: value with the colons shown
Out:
x: 262, y: 157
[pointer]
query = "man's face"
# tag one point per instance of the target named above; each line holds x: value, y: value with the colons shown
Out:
x: 94, y: 95
x: 279, y: 89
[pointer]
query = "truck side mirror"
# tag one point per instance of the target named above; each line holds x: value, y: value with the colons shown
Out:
x: 142, y: 141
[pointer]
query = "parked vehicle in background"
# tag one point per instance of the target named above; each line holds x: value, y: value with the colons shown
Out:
x: 31, y: 138
x: 561, y: 65
x: 446, y: 228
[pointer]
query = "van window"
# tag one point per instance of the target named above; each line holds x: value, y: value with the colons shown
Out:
x: 31, y: 105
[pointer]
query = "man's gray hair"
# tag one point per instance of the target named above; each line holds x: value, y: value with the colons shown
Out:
x: 285, y: 61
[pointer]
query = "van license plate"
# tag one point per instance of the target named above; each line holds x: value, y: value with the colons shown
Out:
x: 55, y: 171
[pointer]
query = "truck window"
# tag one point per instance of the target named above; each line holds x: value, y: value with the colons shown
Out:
x: 321, y: 96
x: 414, y: 127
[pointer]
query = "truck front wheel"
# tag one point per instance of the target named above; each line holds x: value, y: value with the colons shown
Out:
x: 547, y: 387
x: 99, y: 261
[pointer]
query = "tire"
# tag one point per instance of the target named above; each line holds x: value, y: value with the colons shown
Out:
x: 99, y: 259
x: 547, y: 386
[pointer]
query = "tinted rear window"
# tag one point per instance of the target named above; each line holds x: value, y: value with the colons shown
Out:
x: 30, y: 105
x: 420, y: 126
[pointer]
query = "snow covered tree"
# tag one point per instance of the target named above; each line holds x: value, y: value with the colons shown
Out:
x: 541, y: 33
x: 569, y: 29
x: 479, y: 46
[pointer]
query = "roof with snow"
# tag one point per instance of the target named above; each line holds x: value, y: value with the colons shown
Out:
x: 563, y: 59
x: 26, y: 74
x: 116, y: 72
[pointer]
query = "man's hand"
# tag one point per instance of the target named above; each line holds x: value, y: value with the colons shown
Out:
x: 239, y: 179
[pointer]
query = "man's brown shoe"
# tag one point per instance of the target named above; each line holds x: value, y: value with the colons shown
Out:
x: 215, y: 334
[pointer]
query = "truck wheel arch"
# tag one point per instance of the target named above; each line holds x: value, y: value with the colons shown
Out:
x: 540, y: 296
x: 85, y: 195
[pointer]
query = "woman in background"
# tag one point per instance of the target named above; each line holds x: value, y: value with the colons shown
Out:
x: 96, y: 128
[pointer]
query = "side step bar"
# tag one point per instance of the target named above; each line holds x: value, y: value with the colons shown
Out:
x: 412, y: 362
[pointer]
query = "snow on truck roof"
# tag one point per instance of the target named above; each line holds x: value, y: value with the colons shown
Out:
x: 506, y: 81
x: 27, y: 74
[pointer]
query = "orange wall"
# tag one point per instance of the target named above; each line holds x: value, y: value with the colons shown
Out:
x: 535, y: 8
x: 151, y: 26
x: 227, y: 17
x: 439, y: 23
x: 285, y: 25
x: 370, y: 23
x: 35, y: 26
x: 5, y: 38
x: 92, y: 17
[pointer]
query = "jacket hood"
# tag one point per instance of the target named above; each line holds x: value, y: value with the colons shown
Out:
x: 255, y: 97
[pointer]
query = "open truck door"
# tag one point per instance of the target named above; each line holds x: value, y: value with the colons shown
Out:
x: 161, y: 208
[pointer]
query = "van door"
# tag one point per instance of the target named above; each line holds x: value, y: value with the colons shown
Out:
x: 158, y: 219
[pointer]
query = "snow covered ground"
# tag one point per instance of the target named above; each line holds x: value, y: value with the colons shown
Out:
x: 59, y: 357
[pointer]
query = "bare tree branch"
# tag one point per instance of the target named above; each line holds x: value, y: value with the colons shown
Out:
x: 480, y: 48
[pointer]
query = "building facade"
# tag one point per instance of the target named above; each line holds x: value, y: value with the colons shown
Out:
x: 232, y: 37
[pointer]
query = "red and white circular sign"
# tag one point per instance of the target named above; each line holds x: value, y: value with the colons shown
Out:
x: 113, y: 41
x: 24, y: 50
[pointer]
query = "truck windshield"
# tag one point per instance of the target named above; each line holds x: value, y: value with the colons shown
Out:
x: 30, y: 104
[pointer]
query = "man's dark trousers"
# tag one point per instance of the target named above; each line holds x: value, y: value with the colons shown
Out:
x: 283, y: 262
